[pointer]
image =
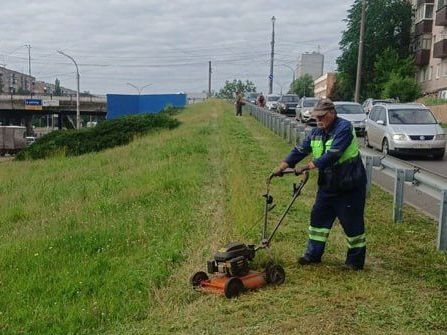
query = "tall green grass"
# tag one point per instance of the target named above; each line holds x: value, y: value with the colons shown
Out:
x: 86, y: 240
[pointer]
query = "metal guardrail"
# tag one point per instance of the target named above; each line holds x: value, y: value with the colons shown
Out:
x: 404, y: 175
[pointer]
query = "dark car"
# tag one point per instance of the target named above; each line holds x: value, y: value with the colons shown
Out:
x: 287, y: 104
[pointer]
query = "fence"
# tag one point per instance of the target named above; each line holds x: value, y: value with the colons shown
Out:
x: 392, y: 174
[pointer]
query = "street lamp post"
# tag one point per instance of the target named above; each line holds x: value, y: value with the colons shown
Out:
x: 78, y: 113
x: 139, y: 89
x: 291, y: 69
x: 271, y: 56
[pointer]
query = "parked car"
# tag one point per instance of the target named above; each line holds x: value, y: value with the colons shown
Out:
x: 405, y: 129
x: 304, y: 109
x: 352, y: 112
x: 272, y: 101
x: 287, y: 103
x: 369, y: 103
x: 30, y: 140
x: 252, y: 97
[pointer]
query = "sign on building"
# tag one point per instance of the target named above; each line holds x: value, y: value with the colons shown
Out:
x: 50, y: 103
x: 33, y: 104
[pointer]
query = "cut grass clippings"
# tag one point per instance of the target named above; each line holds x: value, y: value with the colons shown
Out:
x: 106, y: 242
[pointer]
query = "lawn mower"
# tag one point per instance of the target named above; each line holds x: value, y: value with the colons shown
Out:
x: 230, y: 272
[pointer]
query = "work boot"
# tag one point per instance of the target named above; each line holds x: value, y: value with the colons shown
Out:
x: 305, y: 260
x: 351, y: 267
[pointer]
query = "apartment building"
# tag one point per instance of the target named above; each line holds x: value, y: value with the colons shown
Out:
x: 324, y: 85
x: 15, y: 82
x: 42, y: 87
x: 430, y: 48
x: 310, y: 63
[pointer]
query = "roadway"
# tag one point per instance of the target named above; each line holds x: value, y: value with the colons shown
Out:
x: 438, y: 167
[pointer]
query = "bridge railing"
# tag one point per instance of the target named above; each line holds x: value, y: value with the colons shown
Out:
x: 402, y: 178
x: 15, y: 97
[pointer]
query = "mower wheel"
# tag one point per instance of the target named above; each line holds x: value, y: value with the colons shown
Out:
x: 197, y: 278
x: 233, y: 287
x: 275, y: 274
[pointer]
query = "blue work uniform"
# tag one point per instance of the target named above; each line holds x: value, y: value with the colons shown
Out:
x: 341, y: 189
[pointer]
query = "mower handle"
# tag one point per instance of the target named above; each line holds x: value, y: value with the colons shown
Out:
x: 304, y: 172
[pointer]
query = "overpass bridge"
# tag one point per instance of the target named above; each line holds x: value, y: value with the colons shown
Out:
x: 15, y: 110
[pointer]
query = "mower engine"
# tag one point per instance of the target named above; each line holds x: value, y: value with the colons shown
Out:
x: 232, y: 259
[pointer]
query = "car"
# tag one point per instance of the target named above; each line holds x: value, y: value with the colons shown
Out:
x: 287, y: 104
x: 30, y: 140
x: 272, y: 101
x: 252, y: 97
x: 370, y: 102
x: 352, y: 112
x: 405, y: 129
x: 304, y: 109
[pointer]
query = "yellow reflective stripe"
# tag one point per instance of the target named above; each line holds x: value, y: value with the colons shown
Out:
x: 317, y: 238
x: 358, y: 245
x: 353, y: 238
x: 351, y: 151
x: 329, y: 144
x: 320, y: 230
x: 358, y: 241
x: 317, y: 148
x: 318, y: 234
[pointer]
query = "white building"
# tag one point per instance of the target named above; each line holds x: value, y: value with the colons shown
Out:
x: 310, y: 63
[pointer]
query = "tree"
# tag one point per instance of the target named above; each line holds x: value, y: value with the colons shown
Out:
x: 387, y: 26
x: 57, y: 88
x: 230, y: 88
x: 389, y: 63
x: 303, y: 86
x: 405, y: 89
x: 341, y: 90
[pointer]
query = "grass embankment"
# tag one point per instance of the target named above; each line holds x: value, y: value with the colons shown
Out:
x: 105, y: 135
x: 105, y: 243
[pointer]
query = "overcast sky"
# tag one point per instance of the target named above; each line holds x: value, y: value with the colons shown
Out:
x: 167, y: 43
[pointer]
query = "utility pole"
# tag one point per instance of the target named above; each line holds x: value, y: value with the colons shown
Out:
x: 210, y: 71
x: 271, y: 56
x: 29, y: 58
x: 360, y: 55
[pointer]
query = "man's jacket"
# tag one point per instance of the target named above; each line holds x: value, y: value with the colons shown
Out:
x: 335, y: 154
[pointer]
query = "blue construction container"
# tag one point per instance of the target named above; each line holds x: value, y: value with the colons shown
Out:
x: 120, y: 104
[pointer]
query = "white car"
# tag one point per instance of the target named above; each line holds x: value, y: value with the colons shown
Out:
x: 368, y: 104
x: 303, y: 110
x: 405, y: 129
x: 354, y: 113
x: 272, y: 101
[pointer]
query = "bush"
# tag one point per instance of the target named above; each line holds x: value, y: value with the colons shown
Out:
x: 406, y: 89
x: 107, y: 134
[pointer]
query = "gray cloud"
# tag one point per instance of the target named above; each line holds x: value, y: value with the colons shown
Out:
x: 167, y: 43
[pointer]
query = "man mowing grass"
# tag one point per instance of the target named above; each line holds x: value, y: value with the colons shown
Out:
x: 341, y: 184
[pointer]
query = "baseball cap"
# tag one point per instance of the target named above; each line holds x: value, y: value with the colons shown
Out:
x: 322, y: 107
